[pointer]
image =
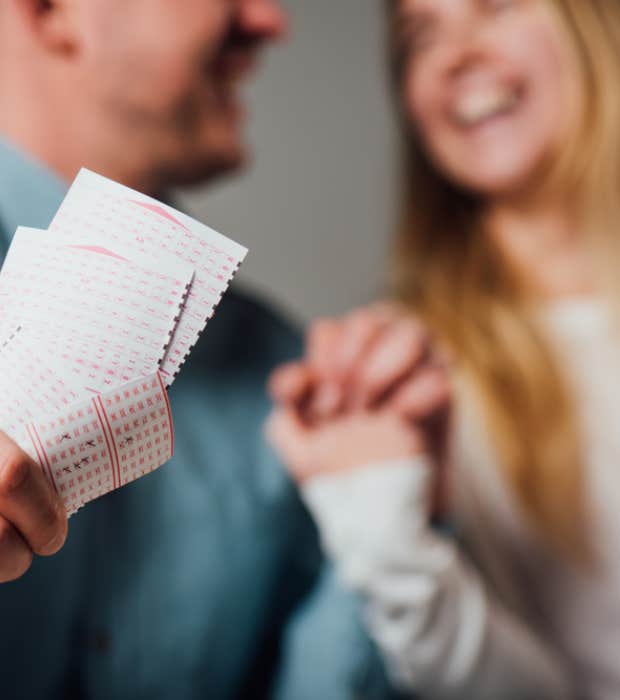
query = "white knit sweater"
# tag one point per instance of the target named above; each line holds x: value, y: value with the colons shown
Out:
x: 521, y: 623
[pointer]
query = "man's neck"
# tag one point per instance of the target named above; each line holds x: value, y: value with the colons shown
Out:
x: 65, y: 156
x: 66, y: 140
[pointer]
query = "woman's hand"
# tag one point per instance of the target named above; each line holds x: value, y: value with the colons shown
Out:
x: 341, y: 443
x: 371, y: 388
x: 375, y: 357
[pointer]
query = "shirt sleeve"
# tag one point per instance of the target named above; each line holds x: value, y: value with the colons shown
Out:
x: 440, y: 631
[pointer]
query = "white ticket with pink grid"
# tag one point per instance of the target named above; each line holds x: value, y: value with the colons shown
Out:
x: 97, y: 316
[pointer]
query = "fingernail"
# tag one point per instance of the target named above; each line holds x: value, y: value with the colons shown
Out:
x: 53, y: 545
x: 58, y: 540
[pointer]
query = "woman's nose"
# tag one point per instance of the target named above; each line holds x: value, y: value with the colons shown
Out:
x: 463, y: 48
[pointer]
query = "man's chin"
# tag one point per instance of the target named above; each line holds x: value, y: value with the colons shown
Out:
x: 206, y: 168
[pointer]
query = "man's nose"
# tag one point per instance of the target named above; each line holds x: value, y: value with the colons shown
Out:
x: 263, y: 19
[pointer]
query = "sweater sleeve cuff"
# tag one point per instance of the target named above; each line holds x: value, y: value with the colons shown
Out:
x: 371, y: 516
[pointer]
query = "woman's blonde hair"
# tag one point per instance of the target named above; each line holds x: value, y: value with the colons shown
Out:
x: 451, y: 274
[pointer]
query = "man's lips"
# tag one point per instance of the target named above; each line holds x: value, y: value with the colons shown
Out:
x: 235, y: 65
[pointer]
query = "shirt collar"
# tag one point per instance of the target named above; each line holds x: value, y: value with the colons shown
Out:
x: 30, y: 193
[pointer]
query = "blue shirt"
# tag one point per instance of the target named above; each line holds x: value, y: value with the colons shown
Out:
x: 204, y: 579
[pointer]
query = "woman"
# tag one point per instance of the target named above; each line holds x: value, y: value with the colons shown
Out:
x: 507, y: 258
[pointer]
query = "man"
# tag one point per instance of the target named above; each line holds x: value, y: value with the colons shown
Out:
x: 203, y: 580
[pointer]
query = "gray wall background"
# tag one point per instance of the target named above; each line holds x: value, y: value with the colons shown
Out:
x: 315, y: 208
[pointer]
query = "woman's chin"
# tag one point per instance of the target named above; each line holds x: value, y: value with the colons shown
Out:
x: 497, y: 182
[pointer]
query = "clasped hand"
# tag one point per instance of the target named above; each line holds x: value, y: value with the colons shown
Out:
x: 372, y: 388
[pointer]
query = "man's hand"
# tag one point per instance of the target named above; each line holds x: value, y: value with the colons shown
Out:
x: 33, y: 519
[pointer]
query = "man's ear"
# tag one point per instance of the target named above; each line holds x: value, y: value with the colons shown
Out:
x: 51, y: 22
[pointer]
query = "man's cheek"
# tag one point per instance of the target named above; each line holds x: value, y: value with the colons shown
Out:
x: 161, y: 80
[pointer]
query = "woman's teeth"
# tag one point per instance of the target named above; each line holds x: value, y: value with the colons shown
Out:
x: 476, y: 107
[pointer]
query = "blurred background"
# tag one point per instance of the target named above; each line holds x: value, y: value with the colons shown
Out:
x: 316, y: 207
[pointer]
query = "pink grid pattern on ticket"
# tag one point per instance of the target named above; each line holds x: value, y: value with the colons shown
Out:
x: 99, y: 210
x: 117, y: 317
x: 30, y: 386
x: 101, y: 444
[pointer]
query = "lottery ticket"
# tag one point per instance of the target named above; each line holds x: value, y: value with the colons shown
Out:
x: 115, y: 317
x: 97, y: 316
x: 105, y: 442
x: 103, y: 212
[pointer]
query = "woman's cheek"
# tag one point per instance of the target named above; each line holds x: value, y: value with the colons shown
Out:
x: 422, y: 92
x: 417, y: 105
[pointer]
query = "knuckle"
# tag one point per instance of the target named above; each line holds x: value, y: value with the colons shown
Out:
x: 320, y: 328
x: 361, y: 320
x: 287, y: 369
x: 367, y: 330
x: 14, y: 470
x: 278, y: 375
x: 288, y: 382
x: 413, y: 329
x: 293, y: 371
x: 445, y: 394
x: 384, y: 309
